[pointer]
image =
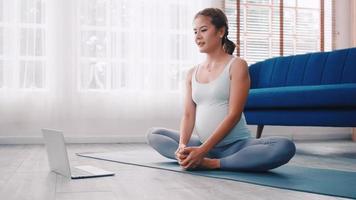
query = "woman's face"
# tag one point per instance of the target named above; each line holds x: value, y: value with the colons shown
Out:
x: 206, y: 36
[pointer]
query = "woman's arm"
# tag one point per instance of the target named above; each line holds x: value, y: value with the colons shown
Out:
x: 188, y: 118
x: 239, y: 88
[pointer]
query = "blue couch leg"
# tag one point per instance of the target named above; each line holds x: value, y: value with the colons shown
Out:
x: 259, y: 131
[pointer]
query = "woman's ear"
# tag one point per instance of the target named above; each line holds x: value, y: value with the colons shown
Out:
x: 221, y: 32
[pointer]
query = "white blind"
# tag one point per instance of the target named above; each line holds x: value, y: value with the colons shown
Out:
x: 260, y: 27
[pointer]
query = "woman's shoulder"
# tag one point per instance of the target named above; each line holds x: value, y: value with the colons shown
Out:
x: 238, y: 66
x: 191, y: 71
x: 189, y: 74
x: 239, y: 61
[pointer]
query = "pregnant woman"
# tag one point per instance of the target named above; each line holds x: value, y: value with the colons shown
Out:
x: 216, y: 92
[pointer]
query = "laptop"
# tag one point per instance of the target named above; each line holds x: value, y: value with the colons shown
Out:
x: 59, y: 162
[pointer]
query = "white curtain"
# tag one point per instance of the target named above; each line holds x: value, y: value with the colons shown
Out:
x: 94, y: 67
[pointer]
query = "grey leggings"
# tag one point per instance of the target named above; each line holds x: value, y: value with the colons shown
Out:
x: 243, y: 155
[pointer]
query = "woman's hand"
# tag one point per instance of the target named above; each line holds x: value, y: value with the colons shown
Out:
x: 179, y: 153
x: 193, y: 157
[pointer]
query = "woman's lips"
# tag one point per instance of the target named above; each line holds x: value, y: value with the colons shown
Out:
x: 200, y: 44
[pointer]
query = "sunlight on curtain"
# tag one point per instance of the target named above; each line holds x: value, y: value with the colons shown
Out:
x: 23, y: 46
x: 94, y: 67
x: 135, y: 45
x: 24, y: 65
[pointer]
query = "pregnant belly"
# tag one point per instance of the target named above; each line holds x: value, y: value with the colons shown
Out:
x: 208, y: 118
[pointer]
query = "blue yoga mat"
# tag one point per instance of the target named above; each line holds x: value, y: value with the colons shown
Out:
x: 314, y: 180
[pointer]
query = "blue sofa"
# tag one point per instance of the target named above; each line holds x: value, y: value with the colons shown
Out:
x: 314, y: 89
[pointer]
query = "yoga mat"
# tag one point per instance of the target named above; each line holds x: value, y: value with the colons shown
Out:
x: 313, y: 180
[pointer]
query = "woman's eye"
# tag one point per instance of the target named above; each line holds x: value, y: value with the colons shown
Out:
x: 203, y: 30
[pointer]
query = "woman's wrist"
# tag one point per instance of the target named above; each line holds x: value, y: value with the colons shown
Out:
x: 203, y: 148
x: 181, y: 145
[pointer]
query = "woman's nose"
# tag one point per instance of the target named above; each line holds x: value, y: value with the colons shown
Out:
x: 197, y: 35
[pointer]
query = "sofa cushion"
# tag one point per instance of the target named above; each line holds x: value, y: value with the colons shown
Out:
x: 320, y: 68
x: 314, y: 96
x: 302, y: 117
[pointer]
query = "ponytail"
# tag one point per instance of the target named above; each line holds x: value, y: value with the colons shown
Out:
x: 228, y: 46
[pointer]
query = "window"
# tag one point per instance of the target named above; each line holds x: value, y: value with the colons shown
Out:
x: 94, y: 66
x: 269, y: 28
x: 119, y: 44
x: 23, y: 44
x: 135, y: 44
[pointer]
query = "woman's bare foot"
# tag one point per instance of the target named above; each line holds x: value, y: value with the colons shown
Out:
x: 208, y: 163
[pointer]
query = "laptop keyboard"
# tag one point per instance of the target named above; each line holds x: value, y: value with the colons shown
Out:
x: 88, y: 171
x: 79, y: 172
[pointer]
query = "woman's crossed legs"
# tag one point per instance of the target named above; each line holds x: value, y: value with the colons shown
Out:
x: 245, y: 155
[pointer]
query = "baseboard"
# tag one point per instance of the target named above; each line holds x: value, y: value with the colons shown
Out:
x: 290, y: 132
x: 75, y: 140
x: 321, y: 136
x: 305, y: 133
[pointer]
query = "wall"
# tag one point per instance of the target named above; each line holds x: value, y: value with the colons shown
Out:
x: 345, y: 24
x: 353, y: 22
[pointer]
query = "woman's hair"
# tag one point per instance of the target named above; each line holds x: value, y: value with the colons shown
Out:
x: 219, y: 20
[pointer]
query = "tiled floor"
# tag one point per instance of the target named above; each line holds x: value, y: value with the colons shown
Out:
x: 24, y: 174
